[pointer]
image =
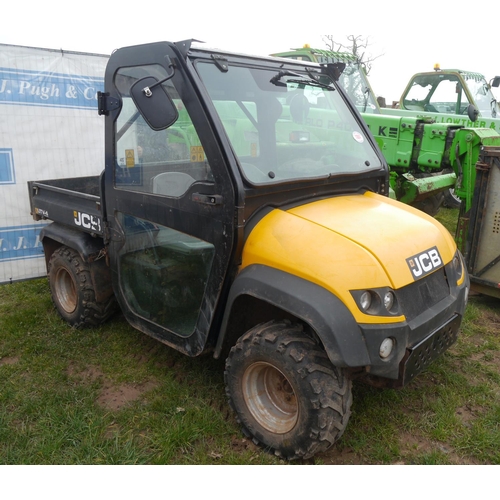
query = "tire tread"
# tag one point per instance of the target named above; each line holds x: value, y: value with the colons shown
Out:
x: 330, y: 395
x: 88, y: 312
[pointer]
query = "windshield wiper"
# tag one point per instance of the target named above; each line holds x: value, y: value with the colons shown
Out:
x: 367, y: 96
x: 275, y: 80
x: 313, y: 83
x: 299, y: 79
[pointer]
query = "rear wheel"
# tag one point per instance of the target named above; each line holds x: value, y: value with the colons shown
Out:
x: 287, y: 395
x: 73, y: 292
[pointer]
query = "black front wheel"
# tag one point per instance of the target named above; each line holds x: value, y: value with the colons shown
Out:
x: 287, y: 395
x: 73, y: 292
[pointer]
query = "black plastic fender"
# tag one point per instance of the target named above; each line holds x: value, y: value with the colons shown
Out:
x: 325, y: 313
x: 86, y: 245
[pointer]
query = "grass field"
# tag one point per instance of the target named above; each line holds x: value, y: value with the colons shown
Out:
x: 112, y: 395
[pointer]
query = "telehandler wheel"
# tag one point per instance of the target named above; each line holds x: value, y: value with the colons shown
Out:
x: 451, y: 200
x: 73, y: 292
x: 287, y: 395
x: 430, y: 205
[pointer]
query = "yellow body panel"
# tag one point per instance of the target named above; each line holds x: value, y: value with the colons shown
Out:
x: 352, y: 242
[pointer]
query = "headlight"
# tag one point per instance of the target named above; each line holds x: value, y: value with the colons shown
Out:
x: 377, y: 301
x: 388, y: 300
x: 365, y: 301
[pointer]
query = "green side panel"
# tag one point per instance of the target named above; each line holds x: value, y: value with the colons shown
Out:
x: 395, y: 137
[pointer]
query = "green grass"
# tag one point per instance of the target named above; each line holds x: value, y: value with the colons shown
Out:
x: 448, y: 217
x: 61, y: 390
x: 112, y: 395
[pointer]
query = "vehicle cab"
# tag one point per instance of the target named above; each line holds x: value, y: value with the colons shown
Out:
x: 451, y: 91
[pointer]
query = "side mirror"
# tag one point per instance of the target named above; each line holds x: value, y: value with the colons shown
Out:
x: 495, y: 82
x: 472, y: 112
x: 153, y: 102
x: 335, y: 70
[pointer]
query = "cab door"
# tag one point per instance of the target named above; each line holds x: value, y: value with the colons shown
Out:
x: 169, y: 200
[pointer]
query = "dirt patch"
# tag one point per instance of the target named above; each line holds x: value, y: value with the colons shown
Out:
x: 492, y: 317
x: 336, y: 456
x: 240, y: 444
x: 467, y: 414
x: 116, y: 397
x: 9, y: 360
x: 112, y: 396
x: 412, y: 444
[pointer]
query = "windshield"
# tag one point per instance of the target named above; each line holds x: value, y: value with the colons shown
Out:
x: 437, y: 93
x: 444, y: 93
x: 354, y: 82
x: 286, y: 125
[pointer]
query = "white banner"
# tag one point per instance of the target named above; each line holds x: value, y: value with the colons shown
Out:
x: 49, y: 128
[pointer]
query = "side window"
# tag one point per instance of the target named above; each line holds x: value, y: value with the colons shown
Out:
x: 165, y: 162
x: 164, y: 273
x: 417, y: 95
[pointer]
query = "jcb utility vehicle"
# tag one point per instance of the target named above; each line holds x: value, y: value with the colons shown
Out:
x: 243, y: 211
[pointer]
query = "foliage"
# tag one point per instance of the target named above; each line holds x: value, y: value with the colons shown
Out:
x: 357, y: 45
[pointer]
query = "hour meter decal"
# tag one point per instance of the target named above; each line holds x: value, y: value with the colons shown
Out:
x: 424, y: 263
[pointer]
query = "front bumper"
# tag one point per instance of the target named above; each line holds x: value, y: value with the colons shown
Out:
x: 418, y: 341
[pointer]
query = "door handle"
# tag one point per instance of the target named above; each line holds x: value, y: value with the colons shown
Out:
x: 207, y: 199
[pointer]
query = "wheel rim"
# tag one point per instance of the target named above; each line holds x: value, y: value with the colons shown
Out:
x: 454, y: 196
x: 65, y: 290
x: 270, y: 398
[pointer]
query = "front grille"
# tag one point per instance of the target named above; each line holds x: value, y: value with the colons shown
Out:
x: 417, y: 297
x: 421, y: 355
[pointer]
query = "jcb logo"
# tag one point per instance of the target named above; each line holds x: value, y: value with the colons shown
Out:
x: 87, y: 221
x: 424, y: 263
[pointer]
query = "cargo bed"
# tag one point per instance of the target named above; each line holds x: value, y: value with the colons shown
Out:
x: 75, y: 202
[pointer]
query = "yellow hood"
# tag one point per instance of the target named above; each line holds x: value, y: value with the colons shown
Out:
x: 348, y: 242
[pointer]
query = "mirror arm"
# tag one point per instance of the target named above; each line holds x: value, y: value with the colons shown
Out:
x: 147, y: 90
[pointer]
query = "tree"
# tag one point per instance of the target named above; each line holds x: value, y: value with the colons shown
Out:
x: 356, y: 45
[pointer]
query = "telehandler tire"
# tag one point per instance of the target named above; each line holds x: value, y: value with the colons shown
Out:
x: 451, y: 200
x: 287, y: 395
x: 73, y: 292
x: 430, y: 205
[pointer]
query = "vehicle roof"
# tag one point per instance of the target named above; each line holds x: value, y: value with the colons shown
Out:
x: 207, y: 49
x: 333, y: 56
x: 470, y: 74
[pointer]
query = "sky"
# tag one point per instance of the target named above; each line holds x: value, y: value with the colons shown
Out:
x: 411, y: 37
